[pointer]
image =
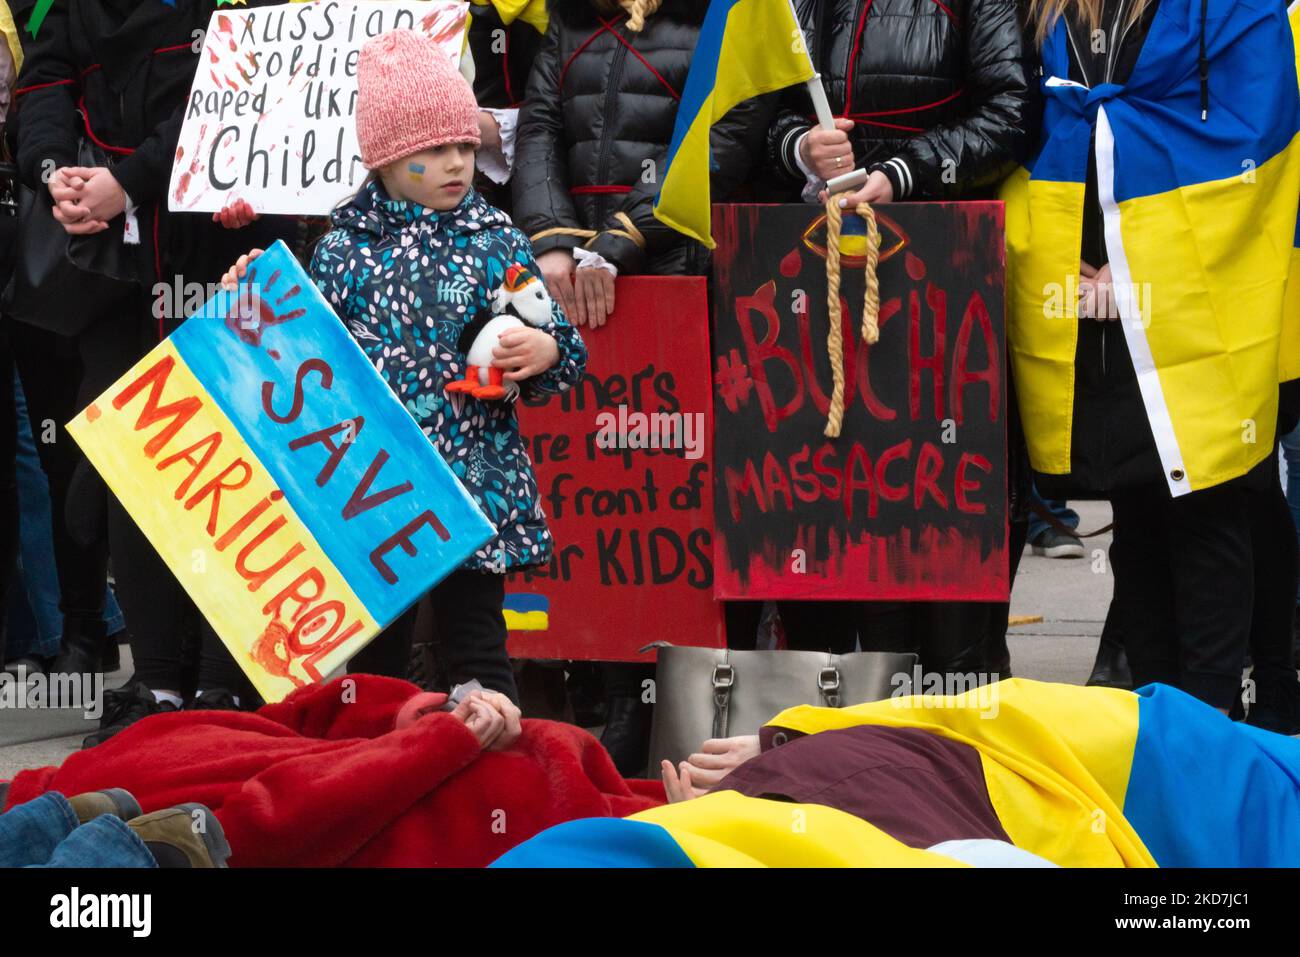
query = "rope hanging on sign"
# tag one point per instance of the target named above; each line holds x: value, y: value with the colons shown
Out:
x: 870, y: 308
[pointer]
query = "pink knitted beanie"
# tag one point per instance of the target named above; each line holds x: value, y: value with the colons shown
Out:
x: 410, y: 98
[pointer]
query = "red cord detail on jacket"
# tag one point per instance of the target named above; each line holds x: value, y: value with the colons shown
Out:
x: 646, y: 63
x: 85, y: 115
x: 952, y: 16
x: 853, y: 58
x: 907, y: 109
x: 171, y: 49
x: 598, y: 190
x: 505, y: 73
x: 574, y: 55
x: 41, y: 86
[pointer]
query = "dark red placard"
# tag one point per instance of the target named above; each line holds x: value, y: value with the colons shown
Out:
x: 633, y: 526
x: 909, y: 502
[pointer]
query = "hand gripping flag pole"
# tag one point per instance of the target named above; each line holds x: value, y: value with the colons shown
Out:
x: 826, y: 120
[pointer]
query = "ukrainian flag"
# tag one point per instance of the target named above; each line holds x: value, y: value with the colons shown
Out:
x: 746, y: 48
x: 1199, y: 216
x: 1081, y: 777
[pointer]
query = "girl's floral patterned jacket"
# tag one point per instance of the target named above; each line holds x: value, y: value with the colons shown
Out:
x: 406, y: 280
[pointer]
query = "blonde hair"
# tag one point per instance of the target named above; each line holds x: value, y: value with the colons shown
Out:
x: 637, y: 10
x: 1043, y: 15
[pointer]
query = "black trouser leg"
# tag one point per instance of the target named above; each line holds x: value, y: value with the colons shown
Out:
x: 8, y: 483
x: 218, y: 669
x: 1143, y: 603
x: 1277, y: 564
x: 51, y: 371
x: 1213, y: 589
x: 886, y: 626
x: 820, y: 625
x: 742, y: 620
x: 471, y: 629
x: 389, y: 653
x: 626, y: 679
x: 153, y: 602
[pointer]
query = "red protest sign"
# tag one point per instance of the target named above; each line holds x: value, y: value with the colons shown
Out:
x: 624, y: 463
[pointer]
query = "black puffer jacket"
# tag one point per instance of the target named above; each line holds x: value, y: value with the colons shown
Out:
x: 943, y: 87
x: 595, y: 129
x: 128, y: 65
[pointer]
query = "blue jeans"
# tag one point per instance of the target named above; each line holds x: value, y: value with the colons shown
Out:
x: 35, y: 621
x: 1062, y: 512
x: 1291, y: 455
x: 45, y: 833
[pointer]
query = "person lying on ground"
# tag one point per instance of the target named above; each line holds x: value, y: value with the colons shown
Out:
x: 1075, y: 776
x: 361, y: 771
x: 108, y: 829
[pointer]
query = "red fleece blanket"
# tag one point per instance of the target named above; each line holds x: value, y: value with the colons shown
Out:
x: 324, y: 779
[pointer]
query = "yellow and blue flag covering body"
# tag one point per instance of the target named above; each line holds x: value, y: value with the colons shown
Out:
x: 1200, y: 228
x: 279, y: 477
x: 746, y: 48
x: 1081, y: 777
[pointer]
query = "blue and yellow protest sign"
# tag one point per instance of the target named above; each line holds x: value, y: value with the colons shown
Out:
x: 281, y: 480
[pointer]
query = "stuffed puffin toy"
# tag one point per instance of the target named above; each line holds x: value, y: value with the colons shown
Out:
x: 520, y: 299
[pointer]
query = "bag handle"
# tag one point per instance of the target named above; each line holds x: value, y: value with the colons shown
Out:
x: 828, y: 683
x: 723, y: 678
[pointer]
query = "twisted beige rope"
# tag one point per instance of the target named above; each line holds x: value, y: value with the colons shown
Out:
x: 870, y: 309
x: 629, y: 231
x: 636, y: 10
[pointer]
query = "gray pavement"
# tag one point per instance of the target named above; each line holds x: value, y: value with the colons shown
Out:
x: 1070, y: 595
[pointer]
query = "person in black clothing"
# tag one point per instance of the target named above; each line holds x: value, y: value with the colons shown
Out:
x: 503, y: 54
x: 592, y: 143
x: 118, y: 72
x: 935, y: 100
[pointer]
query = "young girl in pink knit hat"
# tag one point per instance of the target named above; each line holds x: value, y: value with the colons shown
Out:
x: 414, y: 265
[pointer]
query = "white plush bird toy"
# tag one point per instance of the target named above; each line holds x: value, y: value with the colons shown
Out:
x: 521, y: 298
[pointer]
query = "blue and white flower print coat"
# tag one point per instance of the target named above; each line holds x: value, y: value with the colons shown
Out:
x: 407, y: 280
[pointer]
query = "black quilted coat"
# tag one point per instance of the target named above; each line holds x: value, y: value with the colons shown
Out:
x: 595, y: 129
x: 941, y: 89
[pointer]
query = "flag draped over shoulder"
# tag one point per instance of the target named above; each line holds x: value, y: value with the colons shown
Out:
x: 1200, y: 220
x: 746, y: 48
x: 1289, y: 364
x: 1080, y: 777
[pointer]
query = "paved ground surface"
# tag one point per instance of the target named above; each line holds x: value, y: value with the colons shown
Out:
x: 1071, y: 596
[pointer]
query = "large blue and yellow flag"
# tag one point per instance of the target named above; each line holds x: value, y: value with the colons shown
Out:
x: 746, y: 48
x: 1199, y: 210
x: 1078, y: 777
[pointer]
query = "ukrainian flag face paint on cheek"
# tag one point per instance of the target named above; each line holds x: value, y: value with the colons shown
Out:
x: 415, y: 172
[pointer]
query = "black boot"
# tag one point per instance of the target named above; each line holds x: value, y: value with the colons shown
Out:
x: 85, y: 648
x: 123, y: 708
x: 1110, y: 670
x: 627, y: 734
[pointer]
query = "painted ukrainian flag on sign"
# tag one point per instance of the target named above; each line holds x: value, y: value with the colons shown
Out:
x: 746, y: 48
x: 280, y: 479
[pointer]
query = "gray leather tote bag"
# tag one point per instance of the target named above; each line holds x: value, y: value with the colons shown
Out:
x: 705, y: 693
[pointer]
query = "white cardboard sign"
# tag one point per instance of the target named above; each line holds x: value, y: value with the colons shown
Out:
x: 271, y: 115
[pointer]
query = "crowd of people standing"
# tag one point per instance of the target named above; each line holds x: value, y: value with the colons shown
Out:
x: 570, y: 101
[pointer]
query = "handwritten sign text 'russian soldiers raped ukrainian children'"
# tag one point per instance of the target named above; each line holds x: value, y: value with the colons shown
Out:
x: 271, y: 115
x: 280, y: 479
